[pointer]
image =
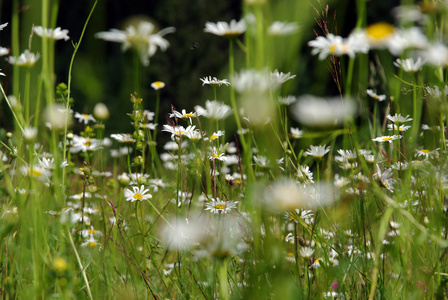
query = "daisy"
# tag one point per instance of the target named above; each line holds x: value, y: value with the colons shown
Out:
x: 427, y: 153
x: 231, y: 30
x: 142, y: 38
x: 398, y: 128
x: 435, y: 54
x: 373, y: 95
x: 137, y: 194
x: 261, y: 161
x: 295, y: 133
x: 304, y: 174
x: 281, y: 77
x: 193, y: 134
x: 252, y: 80
x: 215, y: 154
x: 288, y: 100
x: 176, y: 131
x: 83, y: 144
x: 91, y: 243
x: 282, y: 28
x: 219, y: 206
x: 387, y: 138
x: 29, y: 133
x: 385, y: 178
x: 216, y: 135
x: 55, y: 34
x: 84, y: 118
x: 123, y: 137
x: 4, y: 51
x: 26, y: 59
x: 214, y: 81
x: 183, y: 115
x: 399, y: 118
x: 318, y: 151
x: 2, y: 26
x: 306, y: 252
x: 36, y: 172
x: 409, y: 65
x: 214, y: 110
x: 157, y: 85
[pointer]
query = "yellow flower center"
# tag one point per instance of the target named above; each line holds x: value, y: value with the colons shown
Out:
x: 333, y: 48
x: 159, y: 84
x: 138, y: 196
x: 92, y: 244
x: 85, y: 116
x: 215, y: 155
x: 213, y: 137
x: 386, y: 138
x: 380, y: 30
x: 425, y: 151
x: 35, y: 173
x: 187, y: 116
x: 91, y: 231
x: 220, y: 206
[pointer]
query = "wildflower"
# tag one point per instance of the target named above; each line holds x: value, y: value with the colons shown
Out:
x: 123, y: 179
x: 214, y: 110
x: 184, y: 115
x: 57, y: 117
x: 157, y: 85
x: 29, y: 133
x: 55, y: 34
x: 176, y: 131
x: 84, y: 144
x: 387, y: 138
x: 254, y: 81
x: 101, y: 112
x: 336, y: 45
x: 427, y: 153
x: 123, y: 137
x: 281, y: 77
x: 192, y: 134
x: 216, y: 135
x: 137, y: 194
x: 2, y: 26
x: 385, y: 178
x: 373, y: 95
x: 91, y: 243
x: 399, y: 118
x: 288, y: 100
x: 282, y: 28
x: 409, y: 65
x: 4, y: 51
x: 48, y: 163
x: 230, y: 30
x: 379, y: 33
x: 304, y: 174
x: 214, y: 81
x: 26, y: 59
x: 84, y: 118
x: 314, y: 111
x: 318, y: 151
x: 141, y: 39
x: 183, y: 234
x: 36, y: 172
x: 295, y: 133
x: 435, y: 54
x: 219, y: 206
x: 216, y: 154
x: 398, y: 128
x: 306, y: 252
x: 261, y: 161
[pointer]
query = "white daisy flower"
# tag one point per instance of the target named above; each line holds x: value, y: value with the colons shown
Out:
x: 306, y: 252
x: 123, y: 137
x: 36, y: 172
x: 288, y: 100
x: 318, y: 151
x: 375, y: 96
x: 387, y: 138
x: 232, y: 29
x: 295, y: 133
x: 214, y: 110
x: 26, y: 59
x: 281, y: 77
x: 409, y: 65
x: 214, y: 81
x: 219, y: 206
x: 399, y: 118
x: 137, y: 194
x: 157, y: 85
x: 84, y: 118
x: 55, y: 34
x: 283, y: 28
x: 427, y: 153
x: 398, y: 128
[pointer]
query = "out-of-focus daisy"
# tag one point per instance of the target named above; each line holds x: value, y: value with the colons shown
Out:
x: 36, y: 172
x: 192, y: 133
x: 137, y: 194
x: 157, y: 85
x: 406, y: 38
x: 142, y: 38
x: 318, y: 151
x: 84, y: 118
x: 427, y: 153
x: 288, y: 100
x: 214, y: 81
x: 375, y: 96
x: 409, y: 65
x: 29, y: 133
x: 281, y: 77
x: 261, y: 161
x: 387, y: 138
x: 306, y: 252
x: 176, y: 131
x: 304, y: 174
x: 218, y: 206
x: 216, y: 135
x: 295, y: 133
x: 4, y: 51
x: 283, y: 28
x: 385, y: 178
x: 336, y: 45
x: 55, y: 34
x: 230, y: 30
x: 435, y: 54
x: 91, y: 243
x: 216, y: 154
x: 379, y: 33
x: 123, y: 137
x: 315, y: 111
x: 401, y: 127
x: 83, y: 144
x: 26, y: 59
x: 214, y: 110
x: 408, y: 13
x: 48, y: 163
x: 398, y: 119
x: 253, y: 81
x: 2, y: 26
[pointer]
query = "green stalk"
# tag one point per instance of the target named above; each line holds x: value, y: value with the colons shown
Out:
x: 15, y: 47
x: 27, y: 96
x: 83, y: 270
x: 223, y: 282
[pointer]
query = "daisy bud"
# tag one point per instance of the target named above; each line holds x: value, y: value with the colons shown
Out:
x: 142, y: 180
x: 93, y: 188
x: 138, y: 161
x: 70, y: 136
x: 101, y: 112
x: 139, y: 145
x: 124, y: 179
x: 9, y: 135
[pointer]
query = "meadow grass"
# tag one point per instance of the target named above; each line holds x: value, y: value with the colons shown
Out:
x: 258, y: 193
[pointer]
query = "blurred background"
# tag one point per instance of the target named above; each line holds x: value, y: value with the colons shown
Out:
x: 103, y: 73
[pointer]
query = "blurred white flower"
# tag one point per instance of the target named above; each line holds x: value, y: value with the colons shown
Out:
x: 55, y: 34
x: 231, y: 30
x: 141, y: 38
x: 214, y: 110
x: 157, y: 85
x: 56, y: 116
x: 84, y: 118
x: 26, y: 59
x: 387, y: 138
x: 375, y: 96
x: 214, y: 81
x: 409, y: 65
x: 281, y: 77
x: 318, y: 151
x: 336, y: 45
x: 253, y: 81
x: 314, y: 111
x: 218, y: 206
x: 435, y: 54
x: 283, y: 28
